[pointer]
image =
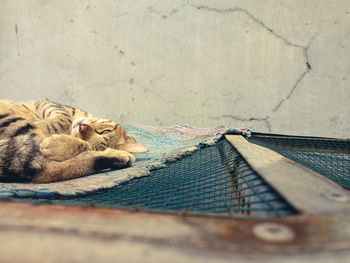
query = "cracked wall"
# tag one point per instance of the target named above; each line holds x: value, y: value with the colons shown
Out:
x: 277, y: 66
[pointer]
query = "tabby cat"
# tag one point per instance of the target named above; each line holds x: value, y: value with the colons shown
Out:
x: 44, y: 142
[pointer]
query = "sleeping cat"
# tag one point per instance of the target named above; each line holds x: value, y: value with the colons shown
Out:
x: 44, y: 142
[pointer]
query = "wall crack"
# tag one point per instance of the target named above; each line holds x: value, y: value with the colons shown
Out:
x: 304, y: 49
x: 237, y: 118
x: 262, y: 24
x: 296, y: 84
x: 151, y: 10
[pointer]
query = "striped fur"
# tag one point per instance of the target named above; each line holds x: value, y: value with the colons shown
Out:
x: 44, y: 142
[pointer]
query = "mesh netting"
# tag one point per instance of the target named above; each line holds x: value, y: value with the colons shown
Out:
x: 214, y: 180
x: 329, y: 157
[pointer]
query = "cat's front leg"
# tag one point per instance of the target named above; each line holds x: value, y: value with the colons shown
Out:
x: 61, y: 147
x: 111, y: 159
x: 83, y: 164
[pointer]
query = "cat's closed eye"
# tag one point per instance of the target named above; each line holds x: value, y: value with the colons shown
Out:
x: 104, y: 132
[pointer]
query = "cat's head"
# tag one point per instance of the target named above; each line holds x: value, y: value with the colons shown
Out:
x: 102, y: 134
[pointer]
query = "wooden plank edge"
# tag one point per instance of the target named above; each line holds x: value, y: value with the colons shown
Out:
x: 306, y: 190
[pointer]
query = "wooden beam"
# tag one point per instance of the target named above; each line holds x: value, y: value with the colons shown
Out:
x: 306, y: 190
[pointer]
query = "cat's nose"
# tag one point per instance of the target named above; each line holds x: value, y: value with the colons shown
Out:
x: 83, y: 127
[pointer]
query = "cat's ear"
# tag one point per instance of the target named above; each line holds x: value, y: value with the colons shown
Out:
x: 133, y: 146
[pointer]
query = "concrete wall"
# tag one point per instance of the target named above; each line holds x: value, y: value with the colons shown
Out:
x: 279, y: 66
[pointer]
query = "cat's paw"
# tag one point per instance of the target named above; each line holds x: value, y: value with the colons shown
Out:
x: 61, y: 147
x: 113, y: 159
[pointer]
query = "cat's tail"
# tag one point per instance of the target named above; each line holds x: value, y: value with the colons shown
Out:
x: 20, y: 158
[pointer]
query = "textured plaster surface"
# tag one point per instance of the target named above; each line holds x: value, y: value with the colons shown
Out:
x: 278, y: 66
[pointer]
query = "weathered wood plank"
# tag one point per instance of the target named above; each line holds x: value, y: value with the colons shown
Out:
x: 303, y: 188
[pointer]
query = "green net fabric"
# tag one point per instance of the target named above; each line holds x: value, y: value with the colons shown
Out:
x: 212, y: 181
x: 327, y: 156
